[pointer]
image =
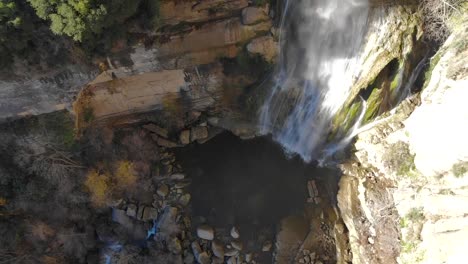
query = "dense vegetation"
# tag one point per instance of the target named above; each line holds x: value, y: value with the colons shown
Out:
x: 84, y: 19
x: 92, y: 24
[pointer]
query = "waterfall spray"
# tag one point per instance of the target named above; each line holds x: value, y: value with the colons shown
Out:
x: 319, y: 61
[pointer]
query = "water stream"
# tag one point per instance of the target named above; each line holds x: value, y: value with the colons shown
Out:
x: 319, y: 61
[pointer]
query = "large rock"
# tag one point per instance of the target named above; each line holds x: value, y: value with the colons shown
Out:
x: 149, y: 214
x: 205, y: 232
x: 235, y: 232
x: 132, y: 210
x: 204, y: 258
x: 198, y: 133
x: 218, y: 248
x: 184, y: 137
x: 163, y: 190
x: 264, y: 46
x: 237, y: 244
x: 157, y: 129
x: 164, y: 142
x: 174, y: 245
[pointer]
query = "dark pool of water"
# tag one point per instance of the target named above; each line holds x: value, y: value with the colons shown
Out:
x: 246, y: 182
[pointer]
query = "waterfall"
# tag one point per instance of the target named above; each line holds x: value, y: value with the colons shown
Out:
x: 319, y: 61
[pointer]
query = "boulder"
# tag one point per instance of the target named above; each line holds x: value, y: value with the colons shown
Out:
x: 149, y: 214
x: 252, y: 15
x: 267, y: 246
x: 196, y: 249
x: 213, y: 121
x: 218, y: 249
x: 264, y: 46
x: 157, y: 130
x: 204, y: 258
x: 237, y: 245
x: 232, y: 260
x: 177, y: 176
x: 163, y: 190
x: 231, y: 252
x: 184, y: 200
x: 184, y: 137
x: 132, y: 210
x: 164, y: 142
x: 174, y: 246
x: 248, y: 257
x: 139, y: 214
x: 199, y: 132
x: 205, y: 232
x: 235, y: 232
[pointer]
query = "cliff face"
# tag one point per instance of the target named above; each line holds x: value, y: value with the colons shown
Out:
x: 191, y: 34
x: 403, y: 198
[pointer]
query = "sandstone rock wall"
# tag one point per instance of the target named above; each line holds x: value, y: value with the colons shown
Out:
x: 196, y: 33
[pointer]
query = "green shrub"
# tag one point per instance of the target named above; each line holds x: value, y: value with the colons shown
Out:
x: 415, y: 214
x: 83, y: 19
x: 260, y: 2
x: 460, y: 169
x: 399, y: 159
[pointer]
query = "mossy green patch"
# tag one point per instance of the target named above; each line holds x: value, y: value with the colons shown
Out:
x: 395, y: 82
x: 345, y: 119
x: 373, y: 105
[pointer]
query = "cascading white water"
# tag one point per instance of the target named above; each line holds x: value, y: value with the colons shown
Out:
x: 319, y: 61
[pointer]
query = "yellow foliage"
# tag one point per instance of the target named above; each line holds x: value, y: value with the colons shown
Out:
x: 106, y: 186
x: 125, y: 175
x: 99, y: 187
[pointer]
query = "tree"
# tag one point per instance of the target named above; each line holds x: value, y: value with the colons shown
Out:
x: 84, y: 19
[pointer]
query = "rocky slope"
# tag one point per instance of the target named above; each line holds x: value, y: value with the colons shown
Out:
x: 403, y: 198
